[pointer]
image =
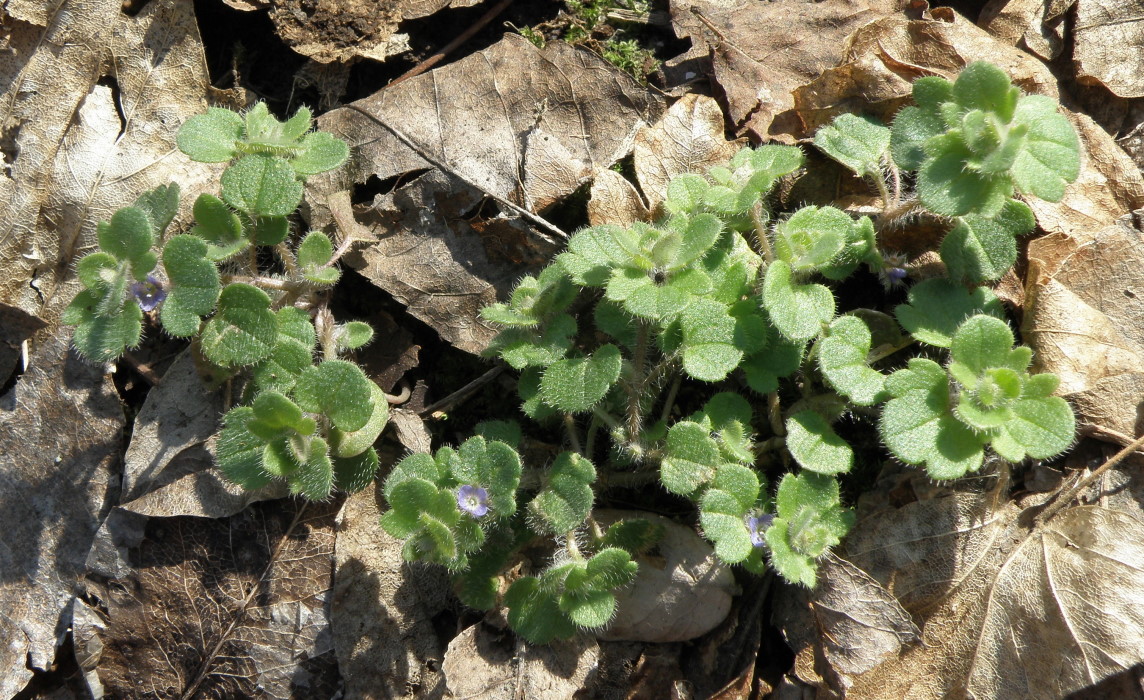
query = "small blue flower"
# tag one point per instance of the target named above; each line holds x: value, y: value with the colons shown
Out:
x: 148, y: 294
x: 474, y: 500
x: 757, y: 525
x: 893, y: 273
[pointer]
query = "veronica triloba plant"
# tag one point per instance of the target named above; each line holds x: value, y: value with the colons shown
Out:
x: 310, y: 425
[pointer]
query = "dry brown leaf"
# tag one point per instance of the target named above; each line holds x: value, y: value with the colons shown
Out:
x: 71, y: 159
x: 482, y: 663
x: 1010, y: 609
x: 687, y: 139
x: 383, y: 608
x: 854, y: 620
x: 761, y: 51
x: 1107, y: 36
x: 1036, y: 24
x: 682, y: 593
x: 224, y: 608
x: 60, y: 440
x: 523, y: 125
x: 475, y: 116
x: 615, y: 201
x: 428, y: 256
x: 1085, y: 320
x: 881, y: 60
x: 1109, y: 186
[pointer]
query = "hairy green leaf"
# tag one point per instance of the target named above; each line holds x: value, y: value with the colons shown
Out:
x: 338, y: 389
x: 577, y: 384
x: 858, y: 142
x: 566, y: 499
x: 243, y: 331
x: 195, y: 285
x: 842, y: 353
x: 797, y: 310
x: 261, y: 185
x: 938, y: 306
x: 815, y: 445
x: 211, y: 137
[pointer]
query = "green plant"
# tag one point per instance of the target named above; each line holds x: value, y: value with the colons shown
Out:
x: 312, y: 425
x: 723, y: 296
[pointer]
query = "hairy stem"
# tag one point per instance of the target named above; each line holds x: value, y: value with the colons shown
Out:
x: 638, y: 382
x: 762, y: 243
x: 573, y: 434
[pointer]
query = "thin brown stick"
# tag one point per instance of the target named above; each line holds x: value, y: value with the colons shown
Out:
x: 1072, y: 493
x: 452, y: 45
x: 463, y: 393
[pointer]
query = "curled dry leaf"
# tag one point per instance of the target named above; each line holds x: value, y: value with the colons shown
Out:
x: 761, y: 51
x: 682, y: 592
x: 687, y: 139
x: 1009, y: 608
x: 614, y: 200
x: 1107, y: 37
x: 236, y: 607
x: 1036, y: 24
x: 482, y: 663
x: 60, y: 440
x: 382, y: 608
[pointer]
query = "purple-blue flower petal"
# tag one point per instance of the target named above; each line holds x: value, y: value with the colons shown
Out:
x: 148, y: 294
x: 474, y: 500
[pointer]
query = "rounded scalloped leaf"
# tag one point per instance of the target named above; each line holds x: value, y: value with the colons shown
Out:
x: 345, y: 445
x: 948, y: 188
x: 97, y: 270
x: 1045, y: 427
x: 211, y: 137
x: 194, y: 286
x: 593, y: 252
x: 982, y: 342
x: 1051, y: 157
x: 269, y: 230
x: 709, y: 352
x: 842, y: 356
x: 219, y: 227
x: 352, y: 474
x: 243, y: 331
x: 261, y: 185
x: 578, y: 384
x: 338, y: 389
x: 320, y: 151
x: 314, y: 252
x: 725, y: 528
x: 239, y: 452
x: 128, y: 236
x: 980, y: 249
x: 314, y: 478
x: 917, y: 434
x: 938, y: 306
x: 911, y: 129
x: 796, y: 568
x: 812, y: 237
x: 690, y: 458
x: 815, y: 445
x: 567, y: 498
x: 106, y: 337
x: 858, y: 142
x: 797, y: 310
x: 353, y: 335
